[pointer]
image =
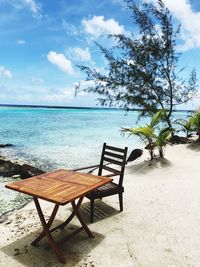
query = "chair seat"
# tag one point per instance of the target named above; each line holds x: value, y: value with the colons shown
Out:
x: 105, y: 190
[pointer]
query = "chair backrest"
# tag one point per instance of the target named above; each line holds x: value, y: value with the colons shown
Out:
x: 115, y: 156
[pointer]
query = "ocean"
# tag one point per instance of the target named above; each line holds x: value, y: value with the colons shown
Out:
x: 52, y: 138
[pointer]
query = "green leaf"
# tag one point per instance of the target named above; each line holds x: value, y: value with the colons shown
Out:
x: 160, y: 115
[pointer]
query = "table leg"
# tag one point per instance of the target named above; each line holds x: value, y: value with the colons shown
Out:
x: 74, y: 211
x: 84, y: 225
x: 49, y: 223
x: 47, y: 232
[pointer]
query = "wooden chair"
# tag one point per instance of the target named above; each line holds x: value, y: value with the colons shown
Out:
x: 117, y: 157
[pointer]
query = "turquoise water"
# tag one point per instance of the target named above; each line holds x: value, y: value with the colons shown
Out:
x: 10, y: 200
x: 50, y: 138
x: 55, y: 138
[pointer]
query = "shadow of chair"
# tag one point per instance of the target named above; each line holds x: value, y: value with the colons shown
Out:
x: 102, y: 211
x: 117, y: 157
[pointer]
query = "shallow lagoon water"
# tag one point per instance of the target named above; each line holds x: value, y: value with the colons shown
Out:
x: 54, y: 138
x: 50, y: 138
x: 10, y: 199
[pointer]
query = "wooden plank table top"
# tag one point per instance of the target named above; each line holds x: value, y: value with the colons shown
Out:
x: 60, y: 186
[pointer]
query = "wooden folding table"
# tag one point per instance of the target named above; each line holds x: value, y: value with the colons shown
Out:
x: 60, y: 187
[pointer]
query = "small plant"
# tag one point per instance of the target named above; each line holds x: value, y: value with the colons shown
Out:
x: 147, y: 134
x: 161, y: 140
x: 186, y: 127
x: 195, y: 120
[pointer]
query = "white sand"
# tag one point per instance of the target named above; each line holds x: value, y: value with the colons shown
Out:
x: 160, y: 225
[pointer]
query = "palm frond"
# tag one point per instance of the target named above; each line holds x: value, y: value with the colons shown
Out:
x: 163, y: 137
x: 195, y: 120
x: 157, y: 118
x: 145, y: 133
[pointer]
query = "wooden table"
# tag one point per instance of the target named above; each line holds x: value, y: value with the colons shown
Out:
x: 60, y: 187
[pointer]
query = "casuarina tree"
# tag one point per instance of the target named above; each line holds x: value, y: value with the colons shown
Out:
x: 142, y: 69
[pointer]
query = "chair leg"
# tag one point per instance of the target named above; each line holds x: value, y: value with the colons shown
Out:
x: 121, y: 201
x: 91, y: 210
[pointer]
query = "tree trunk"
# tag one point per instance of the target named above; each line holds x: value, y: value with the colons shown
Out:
x: 198, y: 133
x: 161, y: 152
x: 151, y: 153
x: 169, y: 123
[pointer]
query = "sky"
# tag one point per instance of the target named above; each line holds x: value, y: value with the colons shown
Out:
x: 43, y: 41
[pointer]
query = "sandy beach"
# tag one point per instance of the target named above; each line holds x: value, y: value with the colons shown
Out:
x: 159, y: 227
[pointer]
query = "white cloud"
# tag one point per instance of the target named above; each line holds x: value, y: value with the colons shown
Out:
x: 61, y: 96
x: 32, y: 5
x: 70, y: 28
x: 83, y: 84
x: 5, y: 72
x: 98, y: 26
x: 189, y: 19
x: 82, y: 54
x: 61, y: 62
x: 120, y: 2
x: 37, y: 80
x: 21, y: 42
x: 36, y: 95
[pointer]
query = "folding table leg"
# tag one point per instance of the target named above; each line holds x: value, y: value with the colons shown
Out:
x: 47, y: 232
x: 49, y: 223
x: 75, y: 212
x: 84, y: 225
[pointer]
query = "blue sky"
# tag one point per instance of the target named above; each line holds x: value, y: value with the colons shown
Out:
x: 42, y: 41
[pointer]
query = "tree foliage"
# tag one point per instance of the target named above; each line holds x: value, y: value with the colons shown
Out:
x: 142, y: 68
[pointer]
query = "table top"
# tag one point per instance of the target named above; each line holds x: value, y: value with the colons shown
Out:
x: 60, y: 186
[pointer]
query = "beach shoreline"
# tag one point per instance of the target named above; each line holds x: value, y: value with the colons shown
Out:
x: 158, y: 227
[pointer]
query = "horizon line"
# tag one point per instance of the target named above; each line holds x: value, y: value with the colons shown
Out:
x: 80, y: 107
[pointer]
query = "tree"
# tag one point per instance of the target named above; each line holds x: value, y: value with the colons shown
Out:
x: 142, y: 69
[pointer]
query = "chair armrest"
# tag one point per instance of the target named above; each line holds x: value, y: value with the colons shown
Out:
x: 113, y: 174
x: 85, y: 168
